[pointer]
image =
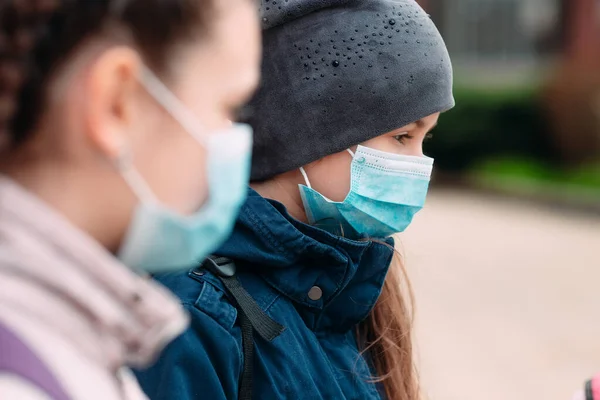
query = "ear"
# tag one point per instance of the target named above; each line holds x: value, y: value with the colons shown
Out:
x: 112, y: 92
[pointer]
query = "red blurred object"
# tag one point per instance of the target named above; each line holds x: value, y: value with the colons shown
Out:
x: 572, y: 96
x: 583, y: 34
x: 592, y: 388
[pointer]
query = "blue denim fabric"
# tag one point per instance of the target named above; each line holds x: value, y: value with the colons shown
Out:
x: 279, y: 260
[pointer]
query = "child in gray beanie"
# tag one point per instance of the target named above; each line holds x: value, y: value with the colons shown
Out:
x: 304, y: 301
x: 337, y: 73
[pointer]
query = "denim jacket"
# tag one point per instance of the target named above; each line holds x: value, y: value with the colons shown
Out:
x: 317, y: 285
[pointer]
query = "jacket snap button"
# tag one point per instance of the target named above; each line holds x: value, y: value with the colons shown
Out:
x: 315, y: 293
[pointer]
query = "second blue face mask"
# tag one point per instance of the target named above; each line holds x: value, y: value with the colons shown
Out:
x: 162, y: 240
x: 386, y: 191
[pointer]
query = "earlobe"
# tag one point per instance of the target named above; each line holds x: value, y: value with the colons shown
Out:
x: 112, y: 92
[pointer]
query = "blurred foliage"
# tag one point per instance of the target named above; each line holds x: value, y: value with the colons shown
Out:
x: 490, y: 123
x: 534, y: 172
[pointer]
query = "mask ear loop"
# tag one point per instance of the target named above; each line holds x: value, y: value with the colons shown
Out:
x: 305, y: 176
x: 133, y: 178
x: 303, y: 172
x: 172, y: 104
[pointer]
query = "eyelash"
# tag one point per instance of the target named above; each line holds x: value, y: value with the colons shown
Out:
x: 402, y: 138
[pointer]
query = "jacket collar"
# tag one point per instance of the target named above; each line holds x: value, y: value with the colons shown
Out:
x: 120, y: 317
x: 294, y: 257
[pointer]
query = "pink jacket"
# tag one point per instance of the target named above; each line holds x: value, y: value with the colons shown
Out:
x: 87, y: 316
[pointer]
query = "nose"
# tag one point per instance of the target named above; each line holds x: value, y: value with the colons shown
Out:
x: 415, y: 147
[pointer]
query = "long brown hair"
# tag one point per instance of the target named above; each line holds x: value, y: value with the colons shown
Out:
x: 386, y: 335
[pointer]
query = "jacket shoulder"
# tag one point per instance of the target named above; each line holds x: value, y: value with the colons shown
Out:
x: 201, y: 291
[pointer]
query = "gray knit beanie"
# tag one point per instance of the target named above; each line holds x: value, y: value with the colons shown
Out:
x: 339, y: 72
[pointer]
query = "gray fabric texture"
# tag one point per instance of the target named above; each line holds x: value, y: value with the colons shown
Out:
x: 339, y: 72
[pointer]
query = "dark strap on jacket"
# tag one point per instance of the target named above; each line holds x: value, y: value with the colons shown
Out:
x: 248, y: 349
x: 16, y: 358
x: 252, y: 318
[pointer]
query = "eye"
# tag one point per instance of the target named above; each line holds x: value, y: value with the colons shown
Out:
x: 402, y: 138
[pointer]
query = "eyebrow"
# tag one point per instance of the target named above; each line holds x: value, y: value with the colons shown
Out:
x: 431, y: 128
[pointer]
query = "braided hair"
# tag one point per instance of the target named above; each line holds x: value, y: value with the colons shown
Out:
x: 37, y: 37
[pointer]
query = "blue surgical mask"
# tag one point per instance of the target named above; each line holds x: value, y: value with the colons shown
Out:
x: 386, y: 191
x: 162, y: 240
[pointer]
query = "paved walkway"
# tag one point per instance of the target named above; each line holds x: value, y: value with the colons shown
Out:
x: 508, y: 298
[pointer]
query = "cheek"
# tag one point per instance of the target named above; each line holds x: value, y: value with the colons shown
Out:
x: 331, y: 176
x: 173, y: 164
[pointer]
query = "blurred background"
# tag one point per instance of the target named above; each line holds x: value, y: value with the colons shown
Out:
x: 505, y: 257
